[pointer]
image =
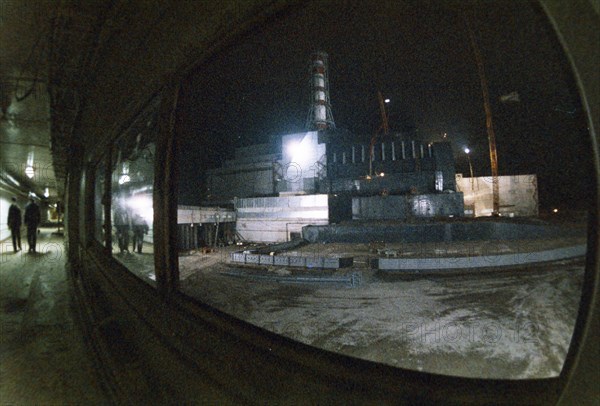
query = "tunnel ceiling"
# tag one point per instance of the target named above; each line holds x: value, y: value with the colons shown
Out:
x: 47, y: 50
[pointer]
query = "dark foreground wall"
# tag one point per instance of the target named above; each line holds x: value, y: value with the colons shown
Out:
x: 403, y: 207
x: 361, y: 232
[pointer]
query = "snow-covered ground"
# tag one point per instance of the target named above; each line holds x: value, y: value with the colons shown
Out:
x: 514, y: 325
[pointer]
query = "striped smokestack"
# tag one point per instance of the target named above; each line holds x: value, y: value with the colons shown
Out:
x: 319, y: 113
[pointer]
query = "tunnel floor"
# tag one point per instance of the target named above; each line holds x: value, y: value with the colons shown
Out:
x: 43, y: 358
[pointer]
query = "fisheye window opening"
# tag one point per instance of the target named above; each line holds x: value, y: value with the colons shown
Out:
x: 345, y: 197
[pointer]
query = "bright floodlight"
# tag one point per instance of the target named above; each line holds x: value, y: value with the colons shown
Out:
x: 467, y: 150
x: 29, y: 172
x: 387, y: 100
x: 296, y: 149
x: 142, y: 205
x: 293, y: 147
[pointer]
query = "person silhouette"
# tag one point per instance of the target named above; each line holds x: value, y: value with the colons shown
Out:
x: 14, y: 224
x: 121, y: 222
x: 32, y: 221
x: 140, y: 227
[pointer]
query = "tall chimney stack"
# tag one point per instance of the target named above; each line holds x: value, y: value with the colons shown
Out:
x: 319, y: 113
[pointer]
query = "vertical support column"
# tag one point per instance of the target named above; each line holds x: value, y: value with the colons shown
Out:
x: 73, y: 201
x: 166, y: 260
x: 393, y: 151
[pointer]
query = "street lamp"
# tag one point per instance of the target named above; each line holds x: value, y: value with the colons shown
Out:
x: 468, y: 151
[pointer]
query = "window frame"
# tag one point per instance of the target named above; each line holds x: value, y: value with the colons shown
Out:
x: 456, y: 388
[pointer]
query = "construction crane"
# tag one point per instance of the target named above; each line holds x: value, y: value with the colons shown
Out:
x: 383, y: 127
x: 488, y: 122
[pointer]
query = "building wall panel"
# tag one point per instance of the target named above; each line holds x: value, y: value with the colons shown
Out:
x: 518, y: 195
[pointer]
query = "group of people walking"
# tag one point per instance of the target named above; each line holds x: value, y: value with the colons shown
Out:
x: 123, y: 222
x: 31, y: 219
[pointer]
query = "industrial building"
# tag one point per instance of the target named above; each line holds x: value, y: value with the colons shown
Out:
x: 324, y: 176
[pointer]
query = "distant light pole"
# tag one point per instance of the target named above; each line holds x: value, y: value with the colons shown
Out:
x: 468, y: 151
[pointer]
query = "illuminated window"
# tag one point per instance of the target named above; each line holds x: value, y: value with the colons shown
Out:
x: 132, y: 212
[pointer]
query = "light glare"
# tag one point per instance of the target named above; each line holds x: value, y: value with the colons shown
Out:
x: 142, y: 204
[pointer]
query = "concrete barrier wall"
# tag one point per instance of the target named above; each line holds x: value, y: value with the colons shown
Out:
x: 294, y: 261
x: 482, y: 261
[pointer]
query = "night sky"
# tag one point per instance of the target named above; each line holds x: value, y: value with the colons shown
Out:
x: 418, y: 54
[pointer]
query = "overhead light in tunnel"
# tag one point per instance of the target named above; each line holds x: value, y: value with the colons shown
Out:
x: 124, y: 179
x: 30, y: 172
x: 13, y: 180
x: 46, y: 193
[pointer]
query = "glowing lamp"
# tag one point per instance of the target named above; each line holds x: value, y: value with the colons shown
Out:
x: 124, y: 179
x: 29, y: 171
